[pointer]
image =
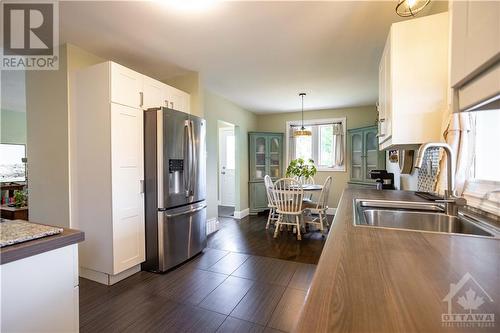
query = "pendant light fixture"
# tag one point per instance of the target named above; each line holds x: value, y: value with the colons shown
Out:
x: 302, y: 131
x: 407, y: 8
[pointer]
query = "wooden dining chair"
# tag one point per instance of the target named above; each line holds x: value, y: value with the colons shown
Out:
x: 288, y: 196
x: 318, y: 209
x: 273, y: 216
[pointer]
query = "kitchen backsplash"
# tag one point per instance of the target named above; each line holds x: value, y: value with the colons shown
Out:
x: 421, y: 180
x: 427, y: 175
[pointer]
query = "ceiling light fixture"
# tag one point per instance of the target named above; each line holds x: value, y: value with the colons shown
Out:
x: 407, y: 8
x: 302, y: 131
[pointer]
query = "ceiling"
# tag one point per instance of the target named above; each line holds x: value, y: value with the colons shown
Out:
x: 259, y: 55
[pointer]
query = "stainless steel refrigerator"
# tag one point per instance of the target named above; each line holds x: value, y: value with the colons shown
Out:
x: 175, y: 187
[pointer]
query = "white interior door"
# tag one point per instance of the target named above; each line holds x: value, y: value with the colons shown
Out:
x: 227, y: 166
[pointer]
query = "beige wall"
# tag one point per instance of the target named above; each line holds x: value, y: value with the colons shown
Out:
x: 47, y: 144
x: 355, y: 117
x: 77, y: 59
x: 48, y: 137
x: 217, y: 109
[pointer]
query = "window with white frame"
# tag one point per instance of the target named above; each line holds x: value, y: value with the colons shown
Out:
x: 483, y: 184
x: 487, y: 160
x: 326, y: 145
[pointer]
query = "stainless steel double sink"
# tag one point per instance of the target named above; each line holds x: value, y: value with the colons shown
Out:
x: 418, y: 216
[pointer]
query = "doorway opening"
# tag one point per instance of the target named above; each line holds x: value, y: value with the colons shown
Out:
x: 226, y: 169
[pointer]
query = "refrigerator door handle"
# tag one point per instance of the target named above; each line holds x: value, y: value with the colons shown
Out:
x: 186, y: 212
x: 193, y: 161
x: 187, y: 158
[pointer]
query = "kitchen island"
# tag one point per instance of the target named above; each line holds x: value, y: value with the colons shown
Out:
x: 39, y: 282
x: 386, y: 280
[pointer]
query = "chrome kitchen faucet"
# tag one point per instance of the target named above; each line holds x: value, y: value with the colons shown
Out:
x: 451, y: 201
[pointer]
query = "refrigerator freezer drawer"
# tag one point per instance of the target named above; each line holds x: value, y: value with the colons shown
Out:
x: 181, y: 234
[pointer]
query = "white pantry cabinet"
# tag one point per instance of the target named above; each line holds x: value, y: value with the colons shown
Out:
x: 107, y: 171
x: 413, y: 81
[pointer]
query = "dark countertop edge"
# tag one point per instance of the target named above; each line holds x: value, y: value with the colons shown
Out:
x: 37, y: 246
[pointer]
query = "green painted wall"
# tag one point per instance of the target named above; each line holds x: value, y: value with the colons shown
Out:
x: 218, y: 108
x: 355, y: 117
x: 13, y: 127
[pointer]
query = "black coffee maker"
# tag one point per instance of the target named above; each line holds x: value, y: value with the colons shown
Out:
x: 384, y: 179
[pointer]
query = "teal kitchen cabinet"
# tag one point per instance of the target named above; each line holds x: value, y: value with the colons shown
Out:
x: 266, y: 158
x: 364, y: 154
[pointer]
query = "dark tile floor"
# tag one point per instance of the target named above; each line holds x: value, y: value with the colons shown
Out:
x: 249, y: 236
x: 246, y: 289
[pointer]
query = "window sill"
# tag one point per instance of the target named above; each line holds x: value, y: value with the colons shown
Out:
x: 331, y: 169
x: 484, y: 195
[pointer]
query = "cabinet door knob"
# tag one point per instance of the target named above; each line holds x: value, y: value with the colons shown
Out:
x: 172, y: 105
x: 141, y: 95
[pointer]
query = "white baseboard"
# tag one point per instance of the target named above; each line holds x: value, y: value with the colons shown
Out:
x: 241, y: 213
x: 331, y: 211
x: 106, y: 278
x: 212, y: 225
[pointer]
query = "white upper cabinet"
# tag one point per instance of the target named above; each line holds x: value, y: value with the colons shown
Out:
x: 413, y: 82
x: 154, y: 93
x: 126, y: 86
x: 475, y: 38
x: 136, y: 90
x: 177, y: 99
x: 475, y: 44
x: 384, y: 102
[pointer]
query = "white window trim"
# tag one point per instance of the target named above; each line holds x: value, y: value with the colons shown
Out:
x: 482, y: 194
x: 319, y: 122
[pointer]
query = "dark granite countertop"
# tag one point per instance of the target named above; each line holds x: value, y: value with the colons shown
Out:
x: 386, y: 280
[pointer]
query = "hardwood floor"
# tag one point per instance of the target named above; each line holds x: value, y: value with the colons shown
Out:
x: 238, y: 284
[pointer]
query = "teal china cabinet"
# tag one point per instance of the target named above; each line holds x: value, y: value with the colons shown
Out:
x: 266, y: 158
x: 364, y: 154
